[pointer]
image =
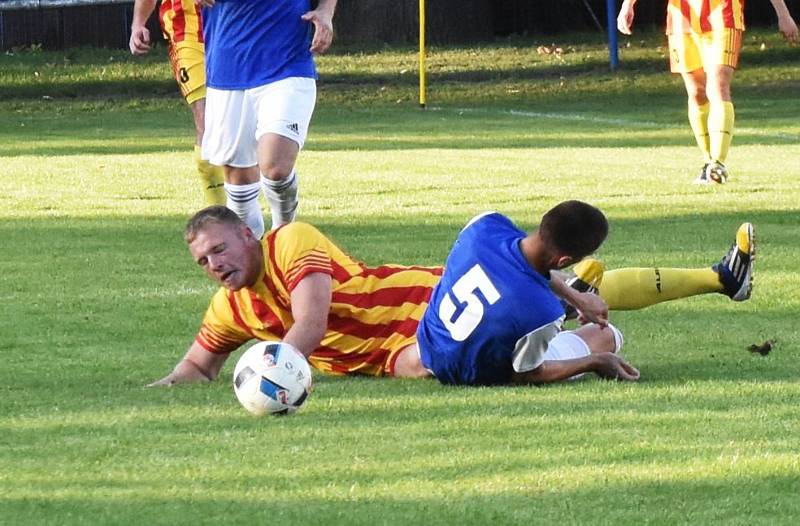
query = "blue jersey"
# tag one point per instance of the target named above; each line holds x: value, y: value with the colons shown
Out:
x: 491, y: 313
x: 250, y: 43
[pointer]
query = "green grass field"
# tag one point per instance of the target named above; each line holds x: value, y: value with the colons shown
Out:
x: 100, y: 297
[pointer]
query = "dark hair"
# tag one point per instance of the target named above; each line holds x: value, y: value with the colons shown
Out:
x: 210, y: 215
x: 573, y: 228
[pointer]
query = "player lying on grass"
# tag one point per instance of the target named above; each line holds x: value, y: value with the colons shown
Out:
x: 296, y: 285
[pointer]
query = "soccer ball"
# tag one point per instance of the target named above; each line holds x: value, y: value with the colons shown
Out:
x: 272, y: 378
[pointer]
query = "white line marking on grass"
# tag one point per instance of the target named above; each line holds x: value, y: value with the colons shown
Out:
x: 605, y: 120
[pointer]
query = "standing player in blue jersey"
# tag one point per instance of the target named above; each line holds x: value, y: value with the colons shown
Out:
x: 261, y: 94
x: 495, y: 317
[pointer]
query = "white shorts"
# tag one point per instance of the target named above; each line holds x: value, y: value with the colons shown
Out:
x: 236, y: 119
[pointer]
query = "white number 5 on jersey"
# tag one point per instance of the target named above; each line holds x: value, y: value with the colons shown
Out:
x: 464, y: 291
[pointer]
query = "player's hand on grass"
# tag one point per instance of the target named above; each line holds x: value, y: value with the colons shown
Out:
x: 140, y: 40
x: 167, y: 381
x: 188, y: 371
x: 611, y: 367
x: 788, y: 28
x: 323, y: 30
x: 592, y: 308
x: 625, y: 17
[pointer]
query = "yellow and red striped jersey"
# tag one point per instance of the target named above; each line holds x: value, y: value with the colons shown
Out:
x: 374, y: 311
x: 702, y: 16
x: 181, y: 21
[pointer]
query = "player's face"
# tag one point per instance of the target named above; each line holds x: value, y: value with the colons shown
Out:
x: 229, y: 254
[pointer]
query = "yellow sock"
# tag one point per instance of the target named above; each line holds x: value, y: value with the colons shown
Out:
x: 590, y: 271
x: 212, y: 180
x: 637, y: 288
x: 698, y: 120
x: 720, y: 129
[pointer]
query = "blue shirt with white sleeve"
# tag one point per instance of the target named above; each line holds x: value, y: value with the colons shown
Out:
x: 492, y: 313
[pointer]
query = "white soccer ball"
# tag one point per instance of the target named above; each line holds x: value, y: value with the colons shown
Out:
x: 272, y: 378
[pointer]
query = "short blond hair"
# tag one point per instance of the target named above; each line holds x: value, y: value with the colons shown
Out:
x: 216, y: 215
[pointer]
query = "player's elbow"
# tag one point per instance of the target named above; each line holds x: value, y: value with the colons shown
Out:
x: 539, y: 376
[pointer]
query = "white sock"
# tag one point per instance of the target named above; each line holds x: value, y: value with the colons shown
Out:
x: 282, y: 196
x: 243, y: 199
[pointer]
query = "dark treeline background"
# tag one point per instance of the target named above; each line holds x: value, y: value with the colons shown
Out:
x: 364, y: 21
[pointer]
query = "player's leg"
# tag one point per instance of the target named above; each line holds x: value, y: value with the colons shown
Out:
x: 187, y: 59
x: 585, y: 340
x: 276, y: 159
x: 407, y: 364
x: 637, y: 288
x: 720, y: 57
x: 212, y: 178
x: 697, y: 110
x: 229, y: 140
x: 284, y: 111
x: 685, y: 59
x: 242, y: 190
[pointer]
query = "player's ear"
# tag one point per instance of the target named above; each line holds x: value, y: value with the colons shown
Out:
x: 246, y: 233
x: 564, y: 261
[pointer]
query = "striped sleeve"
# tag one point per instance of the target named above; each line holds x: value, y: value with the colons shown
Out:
x: 299, y: 250
x: 222, y: 329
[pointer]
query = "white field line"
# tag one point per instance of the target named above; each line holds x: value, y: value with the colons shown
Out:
x: 576, y: 117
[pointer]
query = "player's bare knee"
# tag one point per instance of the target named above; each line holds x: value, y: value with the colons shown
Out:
x: 698, y: 96
x: 409, y: 365
x: 276, y: 171
x: 601, y: 339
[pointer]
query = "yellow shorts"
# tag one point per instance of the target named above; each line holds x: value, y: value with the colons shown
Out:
x: 188, y: 61
x: 691, y: 51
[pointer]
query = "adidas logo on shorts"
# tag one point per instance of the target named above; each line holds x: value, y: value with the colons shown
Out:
x: 294, y: 127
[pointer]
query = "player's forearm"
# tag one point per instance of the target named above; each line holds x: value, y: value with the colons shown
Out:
x: 564, y: 291
x: 328, y: 7
x: 556, y: 370
x: 306, y: 335
x: 781, y: 11
x: 142, y: 10
x: 186, y: 372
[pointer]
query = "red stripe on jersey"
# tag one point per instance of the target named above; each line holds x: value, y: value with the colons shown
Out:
x: 236, y: 315
x: 340, y: 359
x: 271, y: 245
x: 216, y: 348
x: 388, y: 297
x: 199, y: 24
x: 339, y: 273
x: 305, y: 272
x: 216, y: 340
x: 365, y: 331
x: 178, y: 22
x: 392, y: 363
x: 319, y: 262
x: 274, y: 292
x: 705, y: 11
x: 727, y: 14
x: 686, y: 11
x: 265, y: 314
x: 385, y: 271
x: 338, y: 369
x: 302, y: 266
